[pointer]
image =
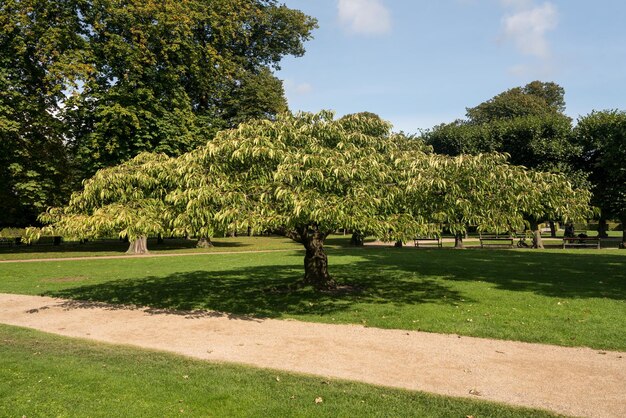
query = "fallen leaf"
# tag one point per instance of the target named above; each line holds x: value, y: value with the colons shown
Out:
x: 278, y: 378
x: 319, y: 399
x: 475, y: 392
x: 186, y: 377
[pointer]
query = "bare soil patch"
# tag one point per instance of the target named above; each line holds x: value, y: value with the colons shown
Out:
x: 572, y: 381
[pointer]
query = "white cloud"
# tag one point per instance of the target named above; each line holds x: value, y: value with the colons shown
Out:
x: 527, y: 27
x: 369, y: 17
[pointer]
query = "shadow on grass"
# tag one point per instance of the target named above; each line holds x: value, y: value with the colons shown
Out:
x: 264, y: 291
x: 113, y: 245
x: 379, y: 276
x: 571, y: 274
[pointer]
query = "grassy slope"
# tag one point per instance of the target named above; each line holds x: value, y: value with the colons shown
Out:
x: 571, y: 298
x: 44, y: 375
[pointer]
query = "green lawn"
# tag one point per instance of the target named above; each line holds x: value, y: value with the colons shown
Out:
x: 570, y: 298
x: 44, y: 375
x: 169, y: 246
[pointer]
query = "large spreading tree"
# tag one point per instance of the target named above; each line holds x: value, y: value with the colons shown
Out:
x: 88, y: 84
x: 309, y: 175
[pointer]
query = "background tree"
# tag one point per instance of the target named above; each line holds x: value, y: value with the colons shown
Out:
x: 127, y: 200
x: 169, y: 75
x: 602, y: 135
x: 88, y: 84
x: 525, y: 122
x: 39, y: 44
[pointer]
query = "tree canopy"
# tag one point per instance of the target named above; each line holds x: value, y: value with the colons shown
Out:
x: 602, y: 135
x: 309, y: 175
x: 88, y: 84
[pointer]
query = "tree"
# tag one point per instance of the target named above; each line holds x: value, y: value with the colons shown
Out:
x: 213, y: 72
x: 310, y: 175
x: 88, y: 84
x: 127, y: 200
x: 38, y: 43
x: 602, y: 135
x: 535, y: 99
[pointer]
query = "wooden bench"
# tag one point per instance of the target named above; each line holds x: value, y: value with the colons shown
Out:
x: 428, y: 241
x: 496, y: 240
x: 585, y: 242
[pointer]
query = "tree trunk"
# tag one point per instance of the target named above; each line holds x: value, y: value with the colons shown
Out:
x: 552, y: 230
x: 623, y: 244
x: 316, y: 261
x: 458, y: 241
x: 357, y: 239
x: 602, y: 228
x: 249, y: 231
x: 537, y: 240
x: 138, y: 246
x: 398, y: 244
x: 204, y: 242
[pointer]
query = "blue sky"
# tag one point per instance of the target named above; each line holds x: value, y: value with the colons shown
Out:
x: 419, y: 63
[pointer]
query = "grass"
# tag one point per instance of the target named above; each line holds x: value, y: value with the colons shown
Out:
x: 169, y: 246
x: 569, y: 298
x: 44, y: 375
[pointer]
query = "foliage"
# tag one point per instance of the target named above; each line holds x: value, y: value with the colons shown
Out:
x: 525, y: 122
x: 309, y: 175
x: 87, y: 84
x: 126, y: 200
x: 602, y: 135
x: 534, y: 99
x: 37, y: 63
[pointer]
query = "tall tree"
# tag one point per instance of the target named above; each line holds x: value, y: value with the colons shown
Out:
x: 603, y: 138
x: 39, y: 52
x: 535, y: 99
x: 88, y: 84
x: 171, y: 74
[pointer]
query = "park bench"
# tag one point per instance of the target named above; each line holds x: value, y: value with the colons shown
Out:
x: 428, y: 242
x: 493, y: 240
x: 581, y: 242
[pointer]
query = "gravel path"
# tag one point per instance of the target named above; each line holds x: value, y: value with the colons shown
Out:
x: 572, y: 381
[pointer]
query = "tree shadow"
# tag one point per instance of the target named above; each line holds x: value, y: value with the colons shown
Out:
x: 569, y: 274
x: 262, y: 291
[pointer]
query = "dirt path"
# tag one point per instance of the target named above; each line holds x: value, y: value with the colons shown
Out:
x: 572, y: 381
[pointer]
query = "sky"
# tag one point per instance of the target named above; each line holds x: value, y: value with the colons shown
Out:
x: 419, y: 63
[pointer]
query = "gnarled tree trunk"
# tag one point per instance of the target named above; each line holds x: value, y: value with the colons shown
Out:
x: 204, y: 242
x: 315, y: 260
x: 138, y: 246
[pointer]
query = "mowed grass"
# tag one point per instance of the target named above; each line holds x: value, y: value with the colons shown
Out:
x: 569, y: 298
x: 111, y: 247
x: 44, y: 375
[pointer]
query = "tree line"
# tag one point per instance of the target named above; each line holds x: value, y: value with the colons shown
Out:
x: 529, y: 125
